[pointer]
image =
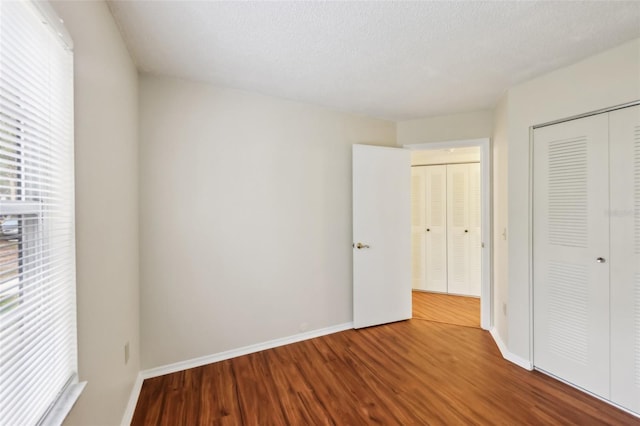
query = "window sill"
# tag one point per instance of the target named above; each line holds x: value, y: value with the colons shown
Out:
x: 63, y: 405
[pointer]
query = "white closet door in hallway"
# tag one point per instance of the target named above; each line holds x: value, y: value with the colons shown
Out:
x: 586, y: 253
x: 446, y: 231
x: 418, y: 226
x: 429, y: 228
x: 463, y: 228
x: 436, y: 228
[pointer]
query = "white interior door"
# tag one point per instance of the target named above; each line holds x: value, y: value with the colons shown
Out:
x: 624, y: 148
x: 458, y: 228
x: 435, y: 229
x: 418, y: 226
x: 381, y: 235
x: 570, y: 252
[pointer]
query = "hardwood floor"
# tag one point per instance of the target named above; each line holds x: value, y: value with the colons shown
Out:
x: 449, y: 309
x: 412, y: 372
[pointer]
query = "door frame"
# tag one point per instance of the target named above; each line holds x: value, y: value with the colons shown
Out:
x: 486, y: 284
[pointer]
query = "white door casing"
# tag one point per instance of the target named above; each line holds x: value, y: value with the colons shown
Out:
x: 381, y: 221
x: 571, y: 232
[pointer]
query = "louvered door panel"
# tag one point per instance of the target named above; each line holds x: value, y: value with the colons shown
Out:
x: 475, y: 240
x: 436, y: 228
x: 625, y: 256
x: 571, y: 230
x: 458, y: 228
x: 418, y: 193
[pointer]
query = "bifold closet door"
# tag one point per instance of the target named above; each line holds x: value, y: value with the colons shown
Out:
x: 418, y: 194
x: 429, y: 228
x: 570, y: 252
x: 463, y: 229
x: 436, y: 228
x: 624, y: 211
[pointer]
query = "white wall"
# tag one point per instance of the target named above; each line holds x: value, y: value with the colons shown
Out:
x: 468, y: 125
x: 245, y: 217
x: 607, y: 79
x: 500, y: 219
x: 106, y: 150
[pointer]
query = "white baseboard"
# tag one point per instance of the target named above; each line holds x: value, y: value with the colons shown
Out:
x: 521, y: 362
x: 221, y: 356
x: 619, y: 407
x: 517, y: 360
x: 133, y: 400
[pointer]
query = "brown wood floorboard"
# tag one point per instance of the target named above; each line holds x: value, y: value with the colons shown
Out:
x: 446, y: 308
x: 412, y: 372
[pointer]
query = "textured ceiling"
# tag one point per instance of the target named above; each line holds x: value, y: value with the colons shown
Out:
x: 395, y: 60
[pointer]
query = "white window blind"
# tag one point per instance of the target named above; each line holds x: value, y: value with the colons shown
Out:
x: 38, y: 360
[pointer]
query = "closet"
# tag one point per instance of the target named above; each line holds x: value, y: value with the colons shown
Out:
x: 586, y: 253
x: 446, y: 228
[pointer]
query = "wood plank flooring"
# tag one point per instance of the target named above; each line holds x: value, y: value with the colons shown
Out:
x: 412, y: 372
x: 449, y: 309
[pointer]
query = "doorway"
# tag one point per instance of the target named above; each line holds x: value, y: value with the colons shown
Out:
x: 445, y: 235
x: 467, y: 300
x: 381, y: 232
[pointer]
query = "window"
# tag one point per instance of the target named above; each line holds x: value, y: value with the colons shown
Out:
x: 38, y: 360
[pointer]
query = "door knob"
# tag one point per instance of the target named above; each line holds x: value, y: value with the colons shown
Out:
x: 361, y: 246
x: 601, y: 260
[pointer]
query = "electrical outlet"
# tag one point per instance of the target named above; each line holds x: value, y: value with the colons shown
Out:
x: 126, y: 353
x: 504, y: 308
